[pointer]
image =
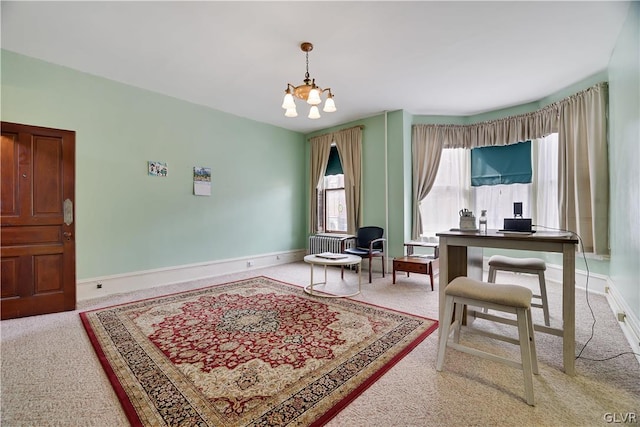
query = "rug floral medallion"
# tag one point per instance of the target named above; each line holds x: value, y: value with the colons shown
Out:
x: 256, y: 352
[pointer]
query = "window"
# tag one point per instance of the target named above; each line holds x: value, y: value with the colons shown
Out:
x: 452, y: 191
x: 332, y: 212
x: 334, y: 204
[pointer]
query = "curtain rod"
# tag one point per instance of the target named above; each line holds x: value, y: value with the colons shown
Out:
x: 554, y: 106
x: 341, y: 130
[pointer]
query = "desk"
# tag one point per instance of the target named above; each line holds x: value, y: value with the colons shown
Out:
x: 461, y: 255
x: 342, y: 261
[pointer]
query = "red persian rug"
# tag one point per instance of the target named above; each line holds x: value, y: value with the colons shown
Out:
x: 256, y: 352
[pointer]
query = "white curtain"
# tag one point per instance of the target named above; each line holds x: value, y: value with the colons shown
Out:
x: 584, y: 168
x: 545, y: 182
x: 450, y: 193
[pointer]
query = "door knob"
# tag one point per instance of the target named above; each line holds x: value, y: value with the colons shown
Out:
x: 67, y: 235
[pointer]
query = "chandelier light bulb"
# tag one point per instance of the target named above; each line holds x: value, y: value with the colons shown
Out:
x: 288, y: 102
x: 314, y: 97
x: 291, y: 112
x: 329, y: 105
x: 314, y: 113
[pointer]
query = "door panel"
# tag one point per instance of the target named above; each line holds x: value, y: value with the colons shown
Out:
x: 9, y: 171
x: 48, y: 273
x: 9, y: 270
x: 38, y: 248
x: 47, y: 177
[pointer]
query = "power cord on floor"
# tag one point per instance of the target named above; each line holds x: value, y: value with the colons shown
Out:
x: 593, y: 316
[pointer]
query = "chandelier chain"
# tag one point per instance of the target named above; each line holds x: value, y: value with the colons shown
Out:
x: 306, y: 75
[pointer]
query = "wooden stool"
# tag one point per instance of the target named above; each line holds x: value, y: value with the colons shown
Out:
x: 506, y: 298
x: 523, y: 265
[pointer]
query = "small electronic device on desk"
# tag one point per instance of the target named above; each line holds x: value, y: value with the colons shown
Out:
x: 517, y: 224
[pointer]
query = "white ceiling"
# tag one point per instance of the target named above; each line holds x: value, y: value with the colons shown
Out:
x: 428, y: 58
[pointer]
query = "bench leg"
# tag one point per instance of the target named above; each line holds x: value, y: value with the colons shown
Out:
x: 445, y: 328
x: 525, y: 350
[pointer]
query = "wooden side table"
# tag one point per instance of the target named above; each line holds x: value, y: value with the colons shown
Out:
x: 417, y: 264
x: 414, y: 264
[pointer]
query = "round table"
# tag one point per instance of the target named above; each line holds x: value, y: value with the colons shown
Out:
x: 337, y: 259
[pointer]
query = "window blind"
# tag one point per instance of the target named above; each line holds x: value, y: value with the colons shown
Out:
x: 334, y: 166
x: 504, y: 164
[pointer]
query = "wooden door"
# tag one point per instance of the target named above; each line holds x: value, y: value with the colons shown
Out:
x: 37, y: 212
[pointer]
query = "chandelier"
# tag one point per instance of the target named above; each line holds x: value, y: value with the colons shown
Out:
x: 308, y: 92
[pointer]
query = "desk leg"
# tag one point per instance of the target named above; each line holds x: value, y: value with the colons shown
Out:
x: 443, y: 281
x: 456, y: 261
x: 569, y: 308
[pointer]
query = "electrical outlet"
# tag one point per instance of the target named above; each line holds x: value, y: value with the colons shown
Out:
x: 99, y: 285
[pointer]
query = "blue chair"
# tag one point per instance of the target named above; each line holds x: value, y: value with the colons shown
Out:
x: 369, y: 244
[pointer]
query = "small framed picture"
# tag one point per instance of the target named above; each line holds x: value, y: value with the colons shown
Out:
x: 201, y: 181
x: 157, y: 168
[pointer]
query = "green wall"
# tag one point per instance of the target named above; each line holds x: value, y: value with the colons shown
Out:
x: 624, y: 158
x: 127, y: 221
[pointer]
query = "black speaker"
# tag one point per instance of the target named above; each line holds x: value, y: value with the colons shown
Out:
x: 517, y: 209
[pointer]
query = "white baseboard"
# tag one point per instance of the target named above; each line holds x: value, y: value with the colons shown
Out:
x: 627, y: 320
x: 119, y: 283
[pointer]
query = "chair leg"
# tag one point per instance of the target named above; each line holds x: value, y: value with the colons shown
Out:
x: 445, y: 329
x: 543, y: 296
x: 383, y: 263
x: 370, y: 262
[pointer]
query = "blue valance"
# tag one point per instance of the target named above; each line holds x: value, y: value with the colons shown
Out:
x: 503, y: 164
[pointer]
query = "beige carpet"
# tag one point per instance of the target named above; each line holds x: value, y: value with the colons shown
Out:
x: 51, y: 376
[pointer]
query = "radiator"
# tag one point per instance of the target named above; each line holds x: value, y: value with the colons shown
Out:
x: 319, y: 243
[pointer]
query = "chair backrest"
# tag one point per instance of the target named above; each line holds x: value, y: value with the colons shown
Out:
x: 366, y: 234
